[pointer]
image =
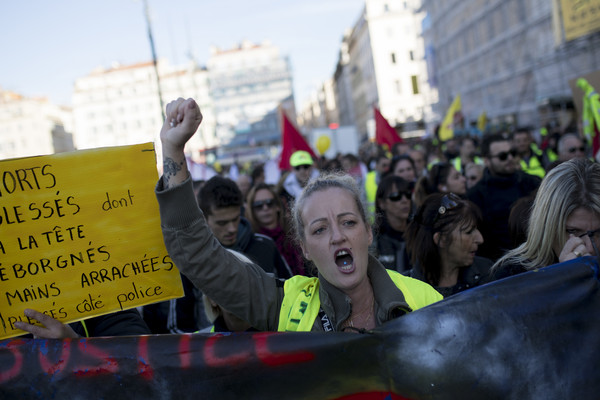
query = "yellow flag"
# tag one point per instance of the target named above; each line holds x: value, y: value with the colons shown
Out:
x: 447, y: 129
x: 482, y: 122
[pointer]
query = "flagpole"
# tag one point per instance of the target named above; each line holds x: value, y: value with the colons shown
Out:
x: 151, y: 39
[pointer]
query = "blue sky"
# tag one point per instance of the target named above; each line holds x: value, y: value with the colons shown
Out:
x: 46, y: 45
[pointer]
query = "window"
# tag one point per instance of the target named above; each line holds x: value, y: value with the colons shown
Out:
x: 398, y: 87
x: 411, y: 55
x: 415, y: 84
x: 393, y: 58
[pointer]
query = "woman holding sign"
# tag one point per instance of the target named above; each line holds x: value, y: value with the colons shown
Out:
x: 353, y: 291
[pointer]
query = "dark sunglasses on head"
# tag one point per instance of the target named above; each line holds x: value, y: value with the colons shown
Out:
x: 449, y: 201
x: 574, y: 149
x: 503, y: 156
x: 397, y: 196
x: 257, y: 205
x: 299, y: 167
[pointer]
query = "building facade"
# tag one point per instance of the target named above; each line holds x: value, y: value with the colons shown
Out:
x: 508, y: 58
x: 382, y: 64
x: 342, y: 85
x: 321, y: 109
x: 248, y: 85
x: 122, y: 105
x: 32, y: 126
x: 240, y: 94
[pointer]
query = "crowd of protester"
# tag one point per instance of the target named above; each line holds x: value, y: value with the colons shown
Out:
x: 409, y: 225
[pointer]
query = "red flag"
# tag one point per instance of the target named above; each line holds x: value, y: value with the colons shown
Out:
x: 384, y: 133
x: 291, y: 141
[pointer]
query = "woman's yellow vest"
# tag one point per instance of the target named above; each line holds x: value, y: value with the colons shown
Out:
x: 301, y: 303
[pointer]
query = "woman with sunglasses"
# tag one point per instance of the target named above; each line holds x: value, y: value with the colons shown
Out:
x: 393, y: 207
x: 442, y: 240
x: 564, y: 223
x: 352, y: 291
x: 442, y: 178
x: 267, y: 216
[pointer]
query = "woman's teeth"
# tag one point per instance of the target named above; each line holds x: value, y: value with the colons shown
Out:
x: 343, y: 260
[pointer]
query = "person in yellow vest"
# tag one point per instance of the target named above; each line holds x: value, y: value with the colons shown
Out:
x: 549, y: 147
x: 467, y: 154
x: 382, y: 165
x: 531, y: 157
x: 352, y: 292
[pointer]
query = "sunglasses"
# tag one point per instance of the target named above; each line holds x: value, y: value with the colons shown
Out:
x: 397, y: 196
x: 299, y: 167
x: 574, y: 149
x: 591, y: 234
x: 257, y: 205
x: 503, y: 156
x: 449, y: 201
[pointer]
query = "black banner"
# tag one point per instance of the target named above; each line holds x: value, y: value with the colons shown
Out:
x: 532, y: 336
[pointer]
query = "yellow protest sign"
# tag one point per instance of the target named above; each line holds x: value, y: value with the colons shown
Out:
x: 580, y: 17
x: 80, y: 235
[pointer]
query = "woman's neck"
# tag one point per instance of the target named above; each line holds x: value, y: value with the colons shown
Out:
x: 362, y: 315
x: 397, y: 223
x: 448, y: 275
x: 271, y: 226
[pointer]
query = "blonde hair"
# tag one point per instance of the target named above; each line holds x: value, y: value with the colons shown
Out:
x: 571, y: 185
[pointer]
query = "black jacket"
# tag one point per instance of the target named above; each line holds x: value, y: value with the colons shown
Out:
x: 505, y: 270
x: 262, y: 250
x: 183, y: 315
x: 495, y: 195
x: 121, y: 323
x: 389, y: 248
x: 477, y: 274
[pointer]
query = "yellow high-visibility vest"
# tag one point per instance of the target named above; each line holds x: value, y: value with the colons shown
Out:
x: 371, y: 192
x: 301, y: 304
x: 457, y: 162
x: 534, y: 166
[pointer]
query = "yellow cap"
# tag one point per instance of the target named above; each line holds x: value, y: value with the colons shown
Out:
x: 301, y: 157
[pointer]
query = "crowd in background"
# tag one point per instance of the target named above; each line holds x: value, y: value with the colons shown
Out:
x: 454, y: 215
x: 485, y: 185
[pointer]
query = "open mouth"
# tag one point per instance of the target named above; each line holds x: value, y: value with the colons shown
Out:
x: 343, y: 259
